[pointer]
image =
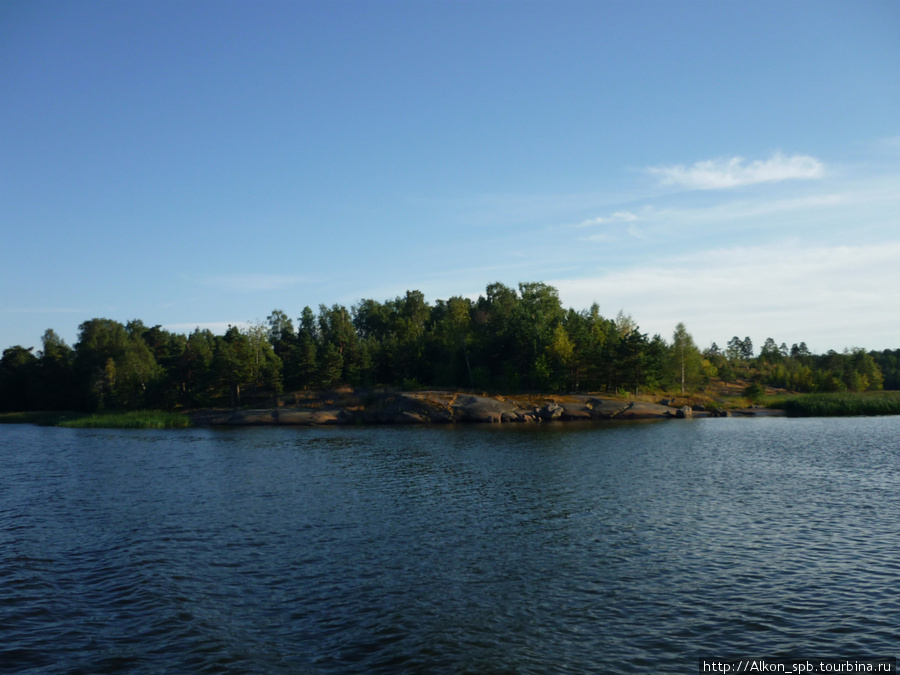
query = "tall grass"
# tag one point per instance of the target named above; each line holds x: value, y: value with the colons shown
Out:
x: 839, y: 405
x: 138, y: 419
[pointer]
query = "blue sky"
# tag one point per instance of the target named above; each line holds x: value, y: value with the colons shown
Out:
x: 732, y: 165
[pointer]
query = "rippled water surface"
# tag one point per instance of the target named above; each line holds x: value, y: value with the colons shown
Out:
x: 608, y: 549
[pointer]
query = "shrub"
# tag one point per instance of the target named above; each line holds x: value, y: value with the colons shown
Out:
x: 754, y: 392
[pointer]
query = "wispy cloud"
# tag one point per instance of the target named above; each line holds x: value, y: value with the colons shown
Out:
x: 828, y: 296
x: 617, y: 217
x: 743, y: 210
x: 601, y: 237
x: 715, y: 174
x: 249, y: 282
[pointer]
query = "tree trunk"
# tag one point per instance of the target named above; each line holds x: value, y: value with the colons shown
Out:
x: 468, y: 367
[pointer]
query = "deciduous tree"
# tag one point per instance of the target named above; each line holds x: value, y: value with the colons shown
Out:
x: 686, y: 358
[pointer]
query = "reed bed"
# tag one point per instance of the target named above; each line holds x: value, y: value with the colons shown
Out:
x: 138, y: 419
x: 839, y: 405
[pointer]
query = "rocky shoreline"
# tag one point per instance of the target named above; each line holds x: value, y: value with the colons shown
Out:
x: 436, y: 407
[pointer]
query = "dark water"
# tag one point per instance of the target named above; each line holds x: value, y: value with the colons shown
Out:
x: 565, y: 549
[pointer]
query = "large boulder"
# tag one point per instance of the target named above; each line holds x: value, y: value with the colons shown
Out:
x: 607, y: 408
x: 210, y: 417
x: 684, y: 412
x: 574, y: 411
x: 407, y: 409
x: 307, y: 416
x: 468, y: 408
x: 549, y: 412
x: 252, y: 417
x: 641, y: 410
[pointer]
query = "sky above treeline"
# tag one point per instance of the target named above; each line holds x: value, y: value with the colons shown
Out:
x: 731, y: 165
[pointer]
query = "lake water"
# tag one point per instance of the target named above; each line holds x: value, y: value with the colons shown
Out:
x: 605, y: 548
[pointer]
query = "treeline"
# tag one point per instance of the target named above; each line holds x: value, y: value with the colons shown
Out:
x: 506, y: 340
x: 798, y: 370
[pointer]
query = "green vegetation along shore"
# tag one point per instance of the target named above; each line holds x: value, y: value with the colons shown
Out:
x: 508, y: 340
x: 132, y: 419
x: 839, y: 405
x: 347, y: 406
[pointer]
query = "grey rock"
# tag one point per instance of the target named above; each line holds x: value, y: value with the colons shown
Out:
x: 576, y: 412
x: 406, y: 409
x: 468, y: 408
x: 409, y: 417
x: 550, y: 411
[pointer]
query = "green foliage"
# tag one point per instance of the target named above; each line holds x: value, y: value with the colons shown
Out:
x: 307, y: 363
x: 560, y: 356
x: 849, y: 404
x: 686, y: 360
x: 800, y: 371
x: 18, y: 379
x: 754, y: 392
x: 657, y: 363
x: 137, y: 419
x: 232, y: 363
x: 770, y: 351
x: 888, y: 362
x: 332, y: 365
x: 512, y: 339
x: 114, y: 365
x: 57, y: 387
x: 631, y: 361
x: 192, y: 373
x: 726, y: 372
x: 246, y: 360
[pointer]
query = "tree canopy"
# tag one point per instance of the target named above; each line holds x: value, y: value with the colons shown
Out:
x: 506, y: 340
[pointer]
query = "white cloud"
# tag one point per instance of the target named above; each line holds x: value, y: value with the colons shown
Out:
x: 715, y: 174
x: 590, y: 222
x: 624, y: 216
x: 617, y: 217
x: 829, y: 297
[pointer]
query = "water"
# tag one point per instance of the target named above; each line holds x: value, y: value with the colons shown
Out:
x: 562, y: 548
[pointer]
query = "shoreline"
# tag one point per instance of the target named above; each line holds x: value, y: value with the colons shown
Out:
x: 441, y: 407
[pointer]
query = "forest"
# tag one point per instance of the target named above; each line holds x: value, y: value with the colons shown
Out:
x: 508, y: 340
